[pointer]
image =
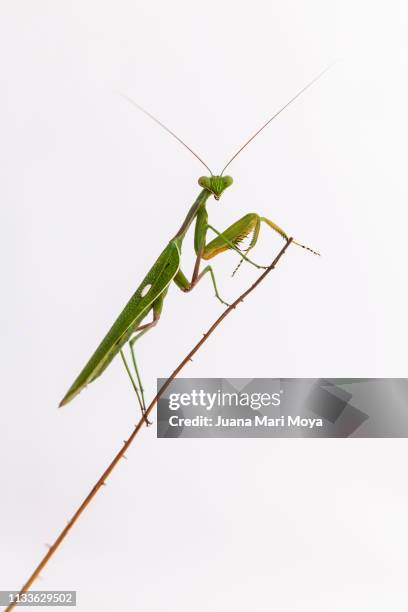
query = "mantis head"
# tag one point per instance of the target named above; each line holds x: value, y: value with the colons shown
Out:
x: 215, y: 184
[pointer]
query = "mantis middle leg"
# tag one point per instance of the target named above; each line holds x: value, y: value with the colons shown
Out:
x: 185, y: 285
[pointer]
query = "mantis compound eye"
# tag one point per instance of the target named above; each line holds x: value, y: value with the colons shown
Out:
x: 205, y: 181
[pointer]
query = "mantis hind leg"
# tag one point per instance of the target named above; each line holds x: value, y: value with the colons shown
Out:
x: 157, y: 308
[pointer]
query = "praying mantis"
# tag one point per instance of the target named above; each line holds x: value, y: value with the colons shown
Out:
x: 150, y: 295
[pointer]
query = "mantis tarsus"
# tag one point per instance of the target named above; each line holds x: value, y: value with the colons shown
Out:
x: 149, y: 296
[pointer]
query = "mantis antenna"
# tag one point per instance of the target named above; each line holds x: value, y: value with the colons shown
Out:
x: 275, y: 115
x: 143, y: 110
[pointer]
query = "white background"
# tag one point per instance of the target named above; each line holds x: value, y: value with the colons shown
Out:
x: 91, y: 190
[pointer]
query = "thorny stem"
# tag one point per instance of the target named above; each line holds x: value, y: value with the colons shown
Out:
x: 139, y: 426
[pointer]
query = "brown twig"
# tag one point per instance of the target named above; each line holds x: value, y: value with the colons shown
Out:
x: 128, y: 442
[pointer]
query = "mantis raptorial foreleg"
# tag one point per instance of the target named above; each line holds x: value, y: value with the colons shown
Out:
x: 223, y: 243
x: 235, y: 233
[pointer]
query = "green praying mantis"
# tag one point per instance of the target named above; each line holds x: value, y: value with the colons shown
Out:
x: 150, y: 295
